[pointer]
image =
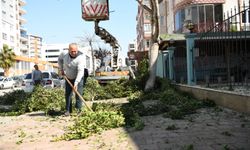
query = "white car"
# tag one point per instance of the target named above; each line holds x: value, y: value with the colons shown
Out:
x: 50, y: 80
x: 7, y: 83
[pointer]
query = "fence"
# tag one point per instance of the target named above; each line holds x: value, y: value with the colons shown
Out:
x: 221, y: 55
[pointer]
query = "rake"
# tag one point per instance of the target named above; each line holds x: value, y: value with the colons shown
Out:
x: 78, y: 94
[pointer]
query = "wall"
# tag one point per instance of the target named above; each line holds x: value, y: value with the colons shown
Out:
x: 240, y: 103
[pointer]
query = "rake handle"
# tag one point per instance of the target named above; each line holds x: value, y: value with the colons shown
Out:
x: 78, y: 94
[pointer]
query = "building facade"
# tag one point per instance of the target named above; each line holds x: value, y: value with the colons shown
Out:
x: 11, y: 23
x: 143, y: 28
x: 204, y: 14
x: 13, y: 33
x: 52, y: 51
x: 132, y: 48
x: 35, y: 46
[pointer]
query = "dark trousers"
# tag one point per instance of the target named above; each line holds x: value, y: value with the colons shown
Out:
x: 68, y: 95
x: 37, y: 82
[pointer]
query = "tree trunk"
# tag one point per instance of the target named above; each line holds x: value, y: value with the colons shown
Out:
x: 93, y: 58
x: 153, y: 10
x: 6, y: 72
x: 152, y: 66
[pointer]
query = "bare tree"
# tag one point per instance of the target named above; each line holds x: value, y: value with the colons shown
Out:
x: 101, y: 54
x: 90, y: 40
x: 153, y: 52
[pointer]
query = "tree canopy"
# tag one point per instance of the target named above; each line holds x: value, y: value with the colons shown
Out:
x: 7, y: 57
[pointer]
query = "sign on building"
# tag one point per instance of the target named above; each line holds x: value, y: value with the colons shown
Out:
x: 95, y: 10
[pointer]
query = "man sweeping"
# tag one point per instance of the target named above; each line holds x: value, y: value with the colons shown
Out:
x: 71, y: 65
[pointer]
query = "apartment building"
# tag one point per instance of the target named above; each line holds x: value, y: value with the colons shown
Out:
x: 166, y: 16
x: 143, y: 28
x: 35, y: 46
x: 13, y: 33
x: 11, y: 22
x: 52, y: 51
x: 132, y: 48
x: 174, y: 15
x: 204, y: 14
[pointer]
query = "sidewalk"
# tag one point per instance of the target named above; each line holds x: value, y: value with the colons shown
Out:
x: 209, y: 129
x: 206, y: 130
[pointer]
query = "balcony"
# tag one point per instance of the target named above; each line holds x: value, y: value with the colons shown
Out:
x: 22, y: 20
x: 24, y: 37
x: 22, y: 2
x: 22, y: 11
x: 24, y: 48
x: 23, y: 29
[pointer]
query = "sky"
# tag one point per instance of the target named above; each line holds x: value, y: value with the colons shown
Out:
x: 60, y: 21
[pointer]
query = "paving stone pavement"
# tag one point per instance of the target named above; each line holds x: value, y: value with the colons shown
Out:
x: 209, y: 129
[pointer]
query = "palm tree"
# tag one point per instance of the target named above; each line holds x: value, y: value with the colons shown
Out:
x: 153, y: 52
x: 7, y: 57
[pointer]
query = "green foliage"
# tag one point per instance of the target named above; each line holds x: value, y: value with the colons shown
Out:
x: 7, y: 57
x: 130, y: 111
x: 11, y: 97
x: 135, y: 95
x: 162, y: 84
x: 118, y: 89
x: 142, y: 74
x: 143, y: 67
x: 226, y: 147
x: 106, y: 106
x: 47, y: 100
x: 188, y: 147
x: 115, y: 89
x: 93, y: 122
x: 92, y: 89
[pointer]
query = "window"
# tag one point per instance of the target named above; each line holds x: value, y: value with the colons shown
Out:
x: 12, y: 38
x: 146, y: 16
x: 131, y: 46
x: 54, y: 75
x: 218, y: 13
x: 246, y: 17
x: 209, y: 15
x: 132, y: 62
x: 45, y: 75
x: 147, y: 28
x: 4, y: 14
x: 4, y: 25
x: 52, y: 50
x: 4, y: 36
x: 147, y: 44
x: 162, y: 18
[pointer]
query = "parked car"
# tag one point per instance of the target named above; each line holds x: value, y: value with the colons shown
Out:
x: 7, y: 83
x: 50, y: 80
x: 18, y: 80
